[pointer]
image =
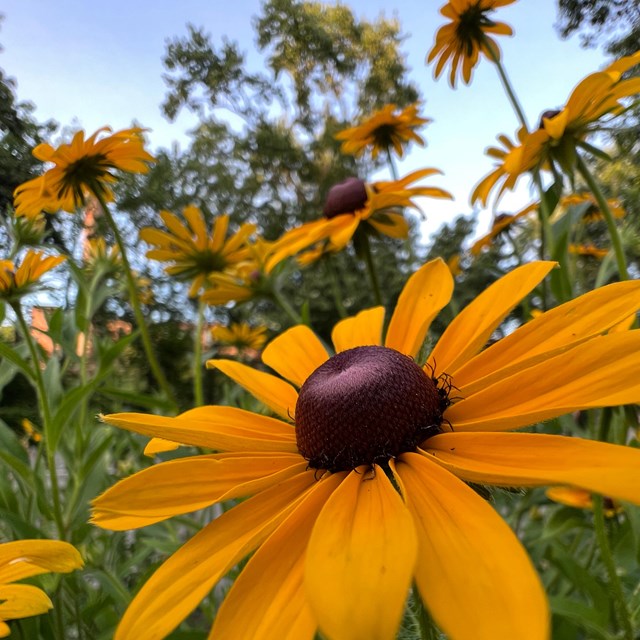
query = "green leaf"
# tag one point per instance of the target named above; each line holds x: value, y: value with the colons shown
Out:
x: 583, y: 615
x: 12, y: 356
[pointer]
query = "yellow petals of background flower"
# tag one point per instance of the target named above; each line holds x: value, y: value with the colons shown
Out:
x: 461, y: 41
x: 241, y: 335
x: 79, y: 167
x: 337, y: 549
x: 384, y: 130
x: 24, y: 559
x: 18, y: 281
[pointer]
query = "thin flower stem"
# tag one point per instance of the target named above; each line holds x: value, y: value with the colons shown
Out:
x: 135, y: 304
x: 46, y: 419
x: 335, y: 286
x: 506, y: 83
x: 198, y: 393
x: 546, y: 235
x: 616, y: 242
x: 283, y: 303
x: 392, y: 164
x: 371, y: 269
x: 615, y: 588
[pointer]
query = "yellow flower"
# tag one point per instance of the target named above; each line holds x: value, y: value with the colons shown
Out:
x: 241, y: 335
x: 30, y: 431
x: 383, y: 130
x: 588, y: 250
x: 358, y: 486
x: 592, y: 212
x: 193, y: 253
x: 23, y: 559
x: 462, y: 40
x: 563, y: 131
x: 28, y: 232
x: 16, y: 282
x: 501, y: 222
x: 352, y: 203
x: 581, y: 499
x: 97, y: 255
x: 79, y: 167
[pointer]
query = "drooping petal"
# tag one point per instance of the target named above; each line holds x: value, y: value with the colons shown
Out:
x: 272, y: 581
x: 182, y: 486
x: 426, y: 292
x: 277, y: 394
x: 602, y: 372
x: 159, y: 445
x: 295, y: 354
x: 473, y: 326
x: 534, y: 459
x: 548, y: 334
x: 219, y: 428
x: 177, y: 587
x: 26, y: 558
x: 472, y: 572
x: 365, y: 328
x: 360, y: 559
x: 21, y: 601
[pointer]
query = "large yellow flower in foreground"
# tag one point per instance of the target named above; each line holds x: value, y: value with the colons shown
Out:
x: 24, y: 559
x: 461, y: 41
x: 358, y: 486
x: 79, y: 167
x: 16, y: 282
x: 382, y: 131
x: 193, y: 253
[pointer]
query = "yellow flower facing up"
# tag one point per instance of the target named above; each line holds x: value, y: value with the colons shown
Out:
x: 357, y: 487
x: 386, y: 129
x: 562, y: 131
x: 16, y: 282
x: 468, y: 34
x: 353, y: 203
x: 80, y: 167
x: 241, y: 335
x: 24, y: 559
x: 193, y: 252
x: 501, y: 223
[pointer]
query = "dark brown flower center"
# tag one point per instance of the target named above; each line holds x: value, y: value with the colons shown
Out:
x: 345, y: 197
x: 548, y: 114
x: 364, y: 406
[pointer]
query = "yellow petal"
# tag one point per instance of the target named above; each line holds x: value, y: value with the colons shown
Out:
x: 534, y: 459
x: 22, y: 601
x: 295, y: 354
x: 365, y: 328
x: 26, y: 558
x: 182, y: 486
x: 177, y: 587
x: 220, y: 428
x: 473, y: 326
x: 426, y: 292
x: 268, y: 601
x: 360, y: 559
x: 550, y: 333
x: 472, y: 573
x: 277, y: 394
x: 159, y: 445
x: 602, y: 372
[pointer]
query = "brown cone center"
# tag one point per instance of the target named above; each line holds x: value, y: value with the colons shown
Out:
x: 364, y: 406
x: 345, y: 197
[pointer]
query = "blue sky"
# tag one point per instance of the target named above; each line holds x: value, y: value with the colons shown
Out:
x: 89, y: 64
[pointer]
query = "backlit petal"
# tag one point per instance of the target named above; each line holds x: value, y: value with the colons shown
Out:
x: 177, y: 587
x: 365, y: 328
x: 295, y: 354
x: 427, y: 291
x: 472, y: 573
x: 534, y: 459
x: 277, y: 394
x: 360, y: 559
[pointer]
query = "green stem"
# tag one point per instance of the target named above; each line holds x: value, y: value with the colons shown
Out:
x: 198, y: 393
x: 615, y: 588
x: 424, y: 623
x: 335, y: 286
x: 616, y: 242
x: 135, y: 304
x: 506, y: 83
x: 371, y: 269
x: 392, y: 165
x: 546, y: 234
x: 46, y: 419
x: 283, y: 303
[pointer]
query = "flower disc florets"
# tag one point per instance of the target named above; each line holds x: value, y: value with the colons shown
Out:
x: 364, y: 406
x: 346, y: 197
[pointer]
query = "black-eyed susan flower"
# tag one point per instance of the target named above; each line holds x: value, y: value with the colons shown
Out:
x: 80, y: 167
x: 353, y: 203
x: 100, y: 257
x: 589, y: 249
x: 240, y: 335
x: 386, y: 129
x: 24, y: 559
x: 16, y: 282
x: 193, y: 252
x: 358, y: 485
x: 501, y: 223
x: 592, y: 211
x: 563, y: 131
x: 461, y: 41
x: 581, y: 499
